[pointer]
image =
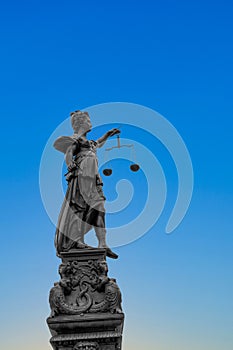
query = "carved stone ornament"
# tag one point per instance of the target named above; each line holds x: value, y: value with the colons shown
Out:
x: 84, y: 287
x: 86, y: 346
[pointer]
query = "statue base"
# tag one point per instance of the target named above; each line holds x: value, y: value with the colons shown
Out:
x: 86, y: 304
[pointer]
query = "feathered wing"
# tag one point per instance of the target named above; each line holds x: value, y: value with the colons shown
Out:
x: 63, y: 142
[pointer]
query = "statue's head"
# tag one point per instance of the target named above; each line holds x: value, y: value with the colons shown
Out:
x: 102, y: 266
x: 80, y: 122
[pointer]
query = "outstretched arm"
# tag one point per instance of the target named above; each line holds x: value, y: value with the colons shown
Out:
x: 101, y: 141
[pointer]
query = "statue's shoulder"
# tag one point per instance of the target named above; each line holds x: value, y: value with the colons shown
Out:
x: 87, y: 143
x: 62, y: 143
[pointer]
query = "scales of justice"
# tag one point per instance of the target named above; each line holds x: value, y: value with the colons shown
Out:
x: 86, y: 312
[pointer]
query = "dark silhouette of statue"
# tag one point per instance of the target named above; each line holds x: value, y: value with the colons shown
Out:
x: 83, y: 206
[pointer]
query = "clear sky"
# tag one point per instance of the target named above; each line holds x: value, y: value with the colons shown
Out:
x: 172, y: 56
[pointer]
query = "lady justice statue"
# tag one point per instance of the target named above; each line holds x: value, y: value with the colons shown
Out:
x: 83, y: 206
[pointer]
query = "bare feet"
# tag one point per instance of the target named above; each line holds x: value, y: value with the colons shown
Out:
x: 81, y: 245
x: 110, y: 253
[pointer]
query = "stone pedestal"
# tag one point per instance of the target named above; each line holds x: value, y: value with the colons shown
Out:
x: 85, y: 304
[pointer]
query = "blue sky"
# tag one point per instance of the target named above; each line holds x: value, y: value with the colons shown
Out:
x: 172, y: 56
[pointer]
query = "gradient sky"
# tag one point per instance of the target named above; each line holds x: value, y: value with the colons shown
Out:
x: 172, y: 56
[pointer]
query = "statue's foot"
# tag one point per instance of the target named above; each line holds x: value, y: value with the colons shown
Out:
x: 82, y: 245
x: 110, y: 253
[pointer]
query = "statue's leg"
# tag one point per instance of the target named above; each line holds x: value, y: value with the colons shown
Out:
x: 95, y: 215
x: 100, y: 231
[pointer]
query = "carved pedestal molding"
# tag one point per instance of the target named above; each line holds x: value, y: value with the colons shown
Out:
x: 86, y: 346
x: 86, y: 311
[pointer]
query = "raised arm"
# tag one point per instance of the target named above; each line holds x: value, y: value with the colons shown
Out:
x: 101, y: 141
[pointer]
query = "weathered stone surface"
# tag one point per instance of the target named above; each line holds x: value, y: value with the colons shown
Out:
x: 85, y: 304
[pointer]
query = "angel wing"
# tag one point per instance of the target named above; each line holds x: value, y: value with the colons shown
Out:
x: 63, y: 142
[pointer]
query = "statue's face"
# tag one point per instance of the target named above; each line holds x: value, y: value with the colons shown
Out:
x: 81, y: 122
x: 88, y: 124
x: 103, y: 266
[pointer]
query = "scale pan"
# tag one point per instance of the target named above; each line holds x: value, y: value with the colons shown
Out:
x: 107, y: 172
x: 134, y: 167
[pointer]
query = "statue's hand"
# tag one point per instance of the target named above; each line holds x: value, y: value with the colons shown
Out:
x: 113, y: 132
x: 71, y: 166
